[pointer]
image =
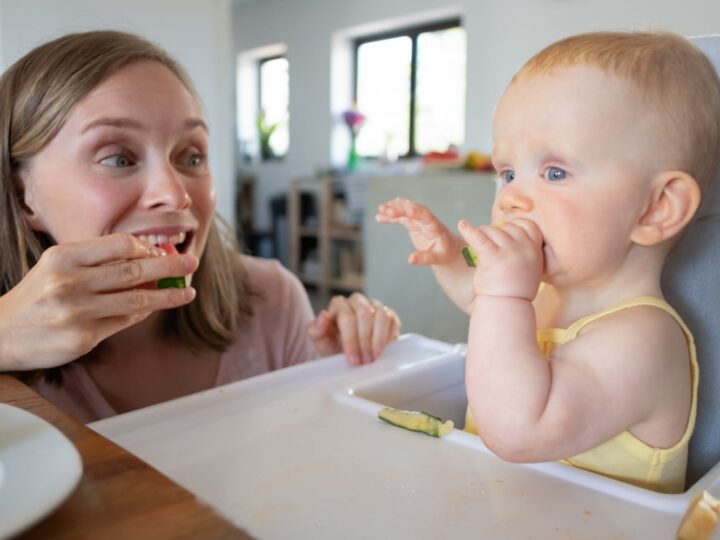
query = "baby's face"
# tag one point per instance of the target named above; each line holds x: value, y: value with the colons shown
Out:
x: 573, y: 152
x: 131, y: 157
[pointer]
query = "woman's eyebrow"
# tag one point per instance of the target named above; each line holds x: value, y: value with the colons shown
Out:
x: 112, y: 122
x: 190, y: 123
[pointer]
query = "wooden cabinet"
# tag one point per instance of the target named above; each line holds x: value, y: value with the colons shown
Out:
x: 325, y: 251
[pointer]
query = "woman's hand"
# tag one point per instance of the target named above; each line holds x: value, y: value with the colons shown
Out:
x: 80, y: 293
x: 355, y: 325
x: 434, y: 243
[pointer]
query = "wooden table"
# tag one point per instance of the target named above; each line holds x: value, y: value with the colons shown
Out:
x: 119, y: 496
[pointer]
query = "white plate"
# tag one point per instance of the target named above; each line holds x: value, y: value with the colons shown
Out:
x: 39, y: 468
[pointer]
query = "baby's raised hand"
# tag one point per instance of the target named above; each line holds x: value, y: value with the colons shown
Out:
x: 433, y: 241
x: 510, y: 258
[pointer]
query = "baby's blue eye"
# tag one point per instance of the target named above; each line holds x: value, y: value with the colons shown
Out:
x: 553, y: 173
x: 116, y: 160
x: 508, y: 175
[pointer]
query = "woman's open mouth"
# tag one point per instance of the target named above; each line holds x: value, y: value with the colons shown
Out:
x: 181, y: 241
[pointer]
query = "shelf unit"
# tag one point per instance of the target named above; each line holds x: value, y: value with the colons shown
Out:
x: 338, y: 247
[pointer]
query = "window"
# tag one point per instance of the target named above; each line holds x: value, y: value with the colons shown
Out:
x: 273, y: 93
x: 410, y: 85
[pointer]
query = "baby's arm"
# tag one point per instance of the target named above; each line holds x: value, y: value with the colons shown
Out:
x: 628, y: 370
x: 434, y: 245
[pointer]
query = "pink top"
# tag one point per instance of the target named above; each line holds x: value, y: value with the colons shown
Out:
x: 273, y: 338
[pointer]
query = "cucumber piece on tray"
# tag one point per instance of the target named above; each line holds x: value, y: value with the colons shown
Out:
x: 417, y: 421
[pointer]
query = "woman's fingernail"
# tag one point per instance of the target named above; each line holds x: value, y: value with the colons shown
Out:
x: 188, y: 294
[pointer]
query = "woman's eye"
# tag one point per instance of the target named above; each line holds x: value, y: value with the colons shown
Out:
x: 553, y: 173
x: 117, y: 160
x: 508, y: 175
x: 194, y: 160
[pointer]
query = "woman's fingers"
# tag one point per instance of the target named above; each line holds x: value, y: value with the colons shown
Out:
x: 131, y: 273
x: 386, y: 327
x: 364, y: 327
x: 348, y: 328
x: 136, y: 301
x: 109, y: 263
x: 101, y: 250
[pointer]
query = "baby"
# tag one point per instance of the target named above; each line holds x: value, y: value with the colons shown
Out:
x: 604, y: 144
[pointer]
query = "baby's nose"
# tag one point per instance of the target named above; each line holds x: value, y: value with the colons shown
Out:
x: 514, y: 199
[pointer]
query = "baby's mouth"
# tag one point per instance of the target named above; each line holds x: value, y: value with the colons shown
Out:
x: 181, y: 240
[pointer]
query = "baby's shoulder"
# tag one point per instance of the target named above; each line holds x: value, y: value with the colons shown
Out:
x: 644, y: 331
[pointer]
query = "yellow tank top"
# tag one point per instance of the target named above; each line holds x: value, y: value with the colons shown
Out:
x: 625, y: 457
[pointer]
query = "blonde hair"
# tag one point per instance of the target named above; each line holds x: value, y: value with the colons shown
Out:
x: 669, y: 73
x: 37, y: 94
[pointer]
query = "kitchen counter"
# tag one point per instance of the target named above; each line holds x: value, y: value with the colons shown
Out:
x: 300, y: 453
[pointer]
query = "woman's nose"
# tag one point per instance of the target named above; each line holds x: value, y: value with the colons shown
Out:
x: 166, y: 189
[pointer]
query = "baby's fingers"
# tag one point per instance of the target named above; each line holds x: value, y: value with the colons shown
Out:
x: 522, y: 229
x: 402, y: 208
x: 485, y: 238
x: 426, y: 257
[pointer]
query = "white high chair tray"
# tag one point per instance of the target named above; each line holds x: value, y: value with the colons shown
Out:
x: 300, y: 453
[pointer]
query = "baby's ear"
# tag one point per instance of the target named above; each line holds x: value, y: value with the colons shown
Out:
x: 673, y: 200
x: 28, y: 203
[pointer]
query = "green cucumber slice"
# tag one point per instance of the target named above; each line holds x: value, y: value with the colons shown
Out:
x: 416, y: 421
x: 470, y: 256
x: 172, y: 282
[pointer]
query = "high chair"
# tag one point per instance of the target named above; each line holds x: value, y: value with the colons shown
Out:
x: 691, y: 285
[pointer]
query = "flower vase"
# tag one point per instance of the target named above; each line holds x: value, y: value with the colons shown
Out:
x: 352, y: 160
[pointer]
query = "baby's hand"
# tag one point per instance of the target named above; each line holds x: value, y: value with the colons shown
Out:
x: 433, y: 241
x: 510, y: 258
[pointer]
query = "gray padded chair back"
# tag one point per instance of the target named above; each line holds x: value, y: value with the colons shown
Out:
x: 691, y: 283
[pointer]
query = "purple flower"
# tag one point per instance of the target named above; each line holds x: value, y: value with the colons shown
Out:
x: 353, y: 119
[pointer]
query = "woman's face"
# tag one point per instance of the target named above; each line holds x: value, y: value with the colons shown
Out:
x: 132, y: 158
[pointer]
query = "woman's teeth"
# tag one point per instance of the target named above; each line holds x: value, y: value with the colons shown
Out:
x: 158, y: 239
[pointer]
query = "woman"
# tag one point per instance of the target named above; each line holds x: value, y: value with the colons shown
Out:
x: 104, y: 160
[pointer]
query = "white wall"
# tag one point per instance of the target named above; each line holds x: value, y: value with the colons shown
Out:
x: 501, y: 36
x: 197, y: 34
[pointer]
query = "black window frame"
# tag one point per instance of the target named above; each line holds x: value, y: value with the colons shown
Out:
x: 412, y: 32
